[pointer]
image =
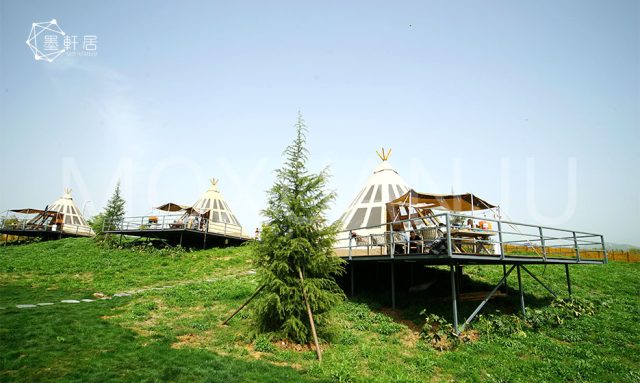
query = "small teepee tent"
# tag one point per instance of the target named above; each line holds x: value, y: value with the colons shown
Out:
x: 69, y: 219
x: 369, y: 206
x: 212, y: 206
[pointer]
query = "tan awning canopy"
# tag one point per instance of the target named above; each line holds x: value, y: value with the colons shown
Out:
x: 454, y: 202
x: 170, y: 206
x: 33, y: 211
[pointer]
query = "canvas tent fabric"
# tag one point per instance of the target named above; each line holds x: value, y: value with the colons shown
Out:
x: 170, y: 206
x: 72, y: 220
x: 369, y: 206
x: 27, y: 211
x: 453, y: 202
x: 212, y: 205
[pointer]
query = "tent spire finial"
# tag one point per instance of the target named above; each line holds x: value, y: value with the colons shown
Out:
x: 385, y: 155
x: 67, y: 191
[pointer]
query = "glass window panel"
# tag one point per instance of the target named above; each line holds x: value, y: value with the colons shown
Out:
x: 367, y: 196
x: 392, y: 193
x: 375, y: 216
x: 378, y: 197
x: 357, y: 219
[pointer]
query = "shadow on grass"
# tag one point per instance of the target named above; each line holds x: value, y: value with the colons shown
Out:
x: 372, y: 285
x: 81, y: 344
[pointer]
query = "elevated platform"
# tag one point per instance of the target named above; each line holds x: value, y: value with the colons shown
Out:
x: 185, y: 237
x: 35, y: 233
x: 511, y: 245
x: 196, y: 233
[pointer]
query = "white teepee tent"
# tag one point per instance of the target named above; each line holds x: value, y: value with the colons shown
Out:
x: 212, y: 205
x: 369, y: 207
x: 71, y: 218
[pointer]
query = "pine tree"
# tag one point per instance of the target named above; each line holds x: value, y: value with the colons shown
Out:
x: 114, y: 211
x: 297, y: 237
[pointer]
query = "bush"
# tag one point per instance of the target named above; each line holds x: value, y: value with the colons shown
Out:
x: 263, y: 344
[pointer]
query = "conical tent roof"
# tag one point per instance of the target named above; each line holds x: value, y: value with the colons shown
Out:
x: 213, y: 202
x: 73, y: 220
x: 369, y: 206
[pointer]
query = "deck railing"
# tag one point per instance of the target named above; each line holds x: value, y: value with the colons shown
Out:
x: 17, y: 224
x: 494, y: 240
x: 170, y: 222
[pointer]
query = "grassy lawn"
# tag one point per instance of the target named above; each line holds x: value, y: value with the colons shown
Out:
x: 174, y: 334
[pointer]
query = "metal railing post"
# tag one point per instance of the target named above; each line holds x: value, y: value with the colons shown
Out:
x: 393, y: 243
x: 604, y: 250
x: 544, y: 248
x: 500, y: 239
x: 350, y: 241
x: 449, y: 250
x: 575, y: 242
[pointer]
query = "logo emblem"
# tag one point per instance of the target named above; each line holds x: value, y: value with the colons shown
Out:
x: 44, y: 40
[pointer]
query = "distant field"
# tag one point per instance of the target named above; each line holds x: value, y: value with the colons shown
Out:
x: 174, y: 333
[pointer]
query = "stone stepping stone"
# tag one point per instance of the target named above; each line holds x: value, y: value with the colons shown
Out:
x: 45, y: 304
x: 121, y: 295
x: 25, y: 306
x: 70, y: 301
x: 86, y: 300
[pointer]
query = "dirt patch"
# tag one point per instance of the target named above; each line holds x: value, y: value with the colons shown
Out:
x: 397, y: 317
x: 285, y: 344
x: 295, y: 366
x: 184, y: 341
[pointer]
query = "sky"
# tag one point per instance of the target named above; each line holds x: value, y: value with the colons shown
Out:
x: 531, y: 105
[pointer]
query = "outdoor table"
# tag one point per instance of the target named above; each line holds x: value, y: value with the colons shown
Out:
x: 477, y: 238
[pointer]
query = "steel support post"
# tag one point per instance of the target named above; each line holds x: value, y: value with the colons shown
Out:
x: 486, y: 299
x: 566, y: 271
x: 540, y: 282
x: 454, y: 299
x: 352, y: 279
x: 393, y: 286
x: 524, y: 314
x: 504, y: 274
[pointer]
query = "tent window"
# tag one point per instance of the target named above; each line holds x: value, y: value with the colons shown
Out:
x: 76, y: 221
x: 392, y: 193
x: 400, y: 192
x: 67, y: 219
x: 226, y: 206
x: 68, y: 209
x: 216, y: 218
x: 367, y: 197
x: 215, y: 204
x: 378, y: 197
x: 374, y: 216
x: 355, y: 201
x: 357, y: 219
